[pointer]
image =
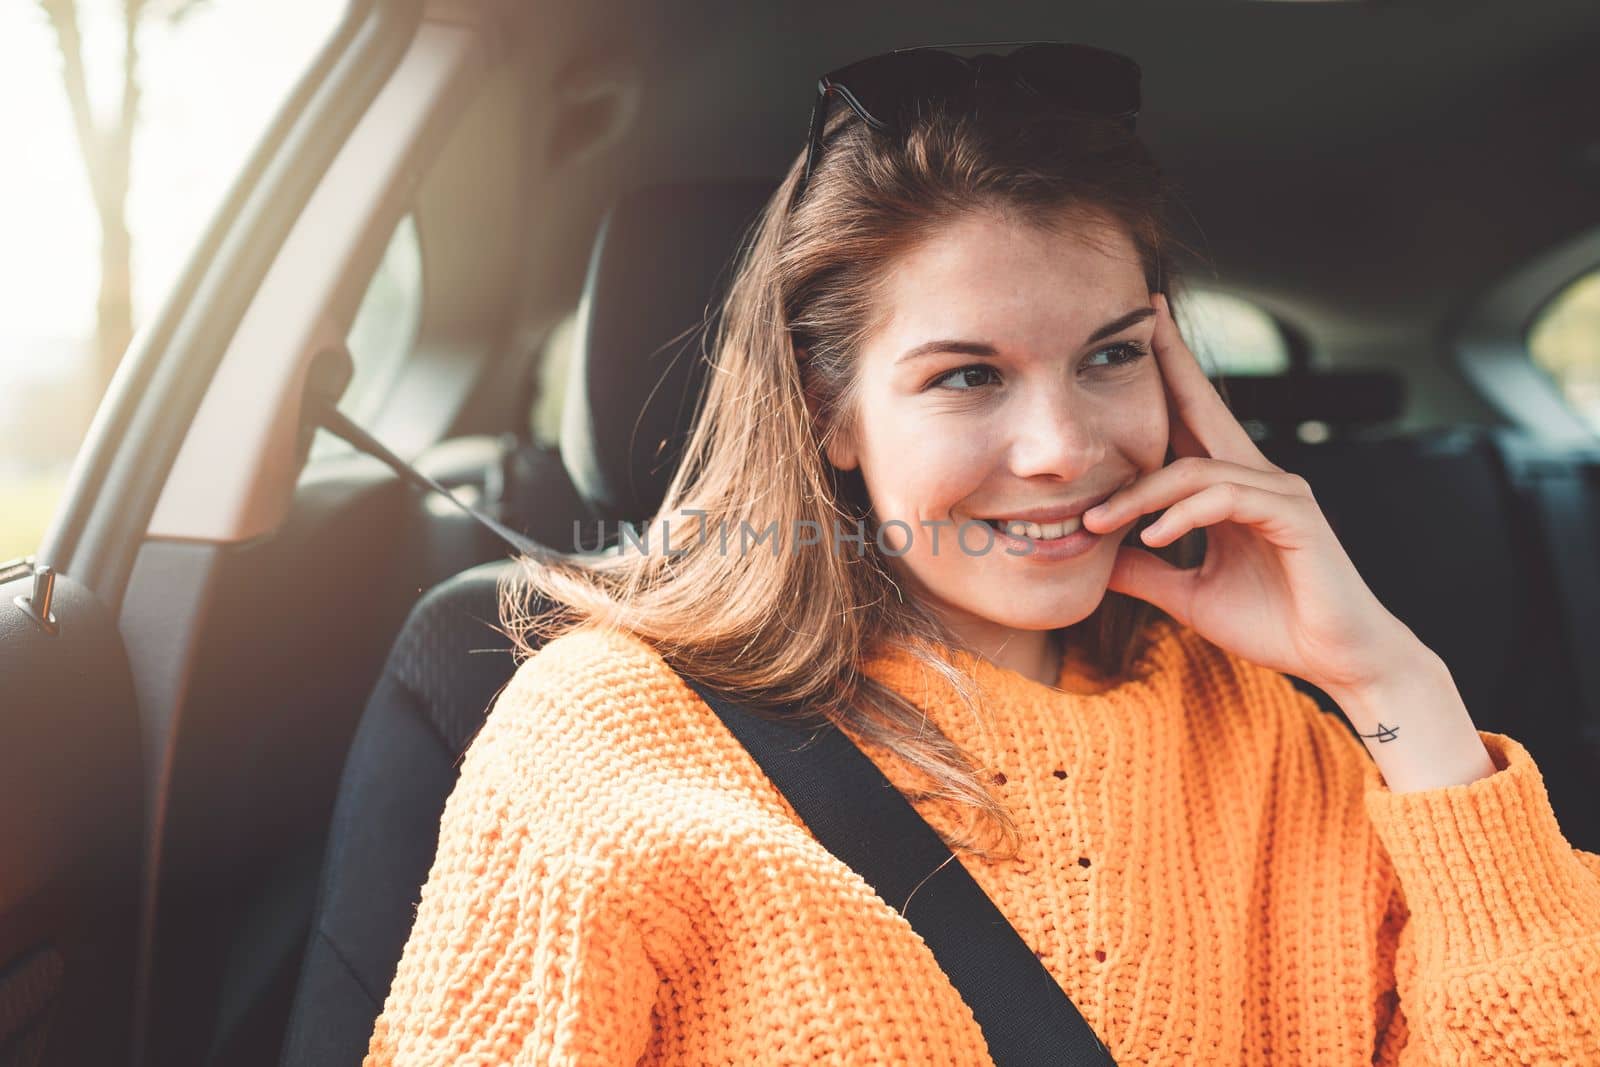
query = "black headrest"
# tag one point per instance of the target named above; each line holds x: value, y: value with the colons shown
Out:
x: 661, y: 264
x: 1344, y: 399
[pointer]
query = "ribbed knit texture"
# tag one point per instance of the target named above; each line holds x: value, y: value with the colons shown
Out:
x: 1211, y: 867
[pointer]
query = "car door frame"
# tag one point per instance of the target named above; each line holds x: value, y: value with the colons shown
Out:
x: 89, y: 679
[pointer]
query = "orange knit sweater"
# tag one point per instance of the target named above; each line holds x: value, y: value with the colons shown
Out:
x: 1212, y: 868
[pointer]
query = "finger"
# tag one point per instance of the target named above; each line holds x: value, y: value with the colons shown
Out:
x: 1180, y: 437
x: 1200, y: 423
x: 1279, y: 517
x: 1181, y: 479
x: 1140, y: 574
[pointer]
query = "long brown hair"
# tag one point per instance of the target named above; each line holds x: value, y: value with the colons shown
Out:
x: 790, y: 627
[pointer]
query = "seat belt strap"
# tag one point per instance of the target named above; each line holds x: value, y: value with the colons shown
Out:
x: 858, y: 815
x: 325, y: 415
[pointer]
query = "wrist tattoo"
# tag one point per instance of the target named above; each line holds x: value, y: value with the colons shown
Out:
x: 1384, y: 734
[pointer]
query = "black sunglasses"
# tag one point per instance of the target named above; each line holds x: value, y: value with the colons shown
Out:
x: 886, y: 89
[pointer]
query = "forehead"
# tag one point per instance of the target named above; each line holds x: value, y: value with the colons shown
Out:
x: 1006, y: 277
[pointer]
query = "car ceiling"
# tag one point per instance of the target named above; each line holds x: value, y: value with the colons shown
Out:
x: 1363, y: 169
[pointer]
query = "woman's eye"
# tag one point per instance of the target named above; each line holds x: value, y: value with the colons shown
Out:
x: 1128, y: 352
x: 974, y: 375
x: 968, y: 377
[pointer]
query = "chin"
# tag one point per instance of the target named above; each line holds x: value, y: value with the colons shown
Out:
x: 1032, y: 611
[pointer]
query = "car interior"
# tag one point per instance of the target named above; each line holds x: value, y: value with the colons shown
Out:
x: 219, y: 811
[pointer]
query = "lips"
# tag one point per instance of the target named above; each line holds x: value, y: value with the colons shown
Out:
x: 1046, y: 523
x: 1037, y: 531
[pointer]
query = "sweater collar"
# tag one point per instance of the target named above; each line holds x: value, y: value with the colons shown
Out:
x: 1077, y: 680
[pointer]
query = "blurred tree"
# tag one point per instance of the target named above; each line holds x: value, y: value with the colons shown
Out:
x: 107, y: 151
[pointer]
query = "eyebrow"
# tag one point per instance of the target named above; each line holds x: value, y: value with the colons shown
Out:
x: 988, y: 351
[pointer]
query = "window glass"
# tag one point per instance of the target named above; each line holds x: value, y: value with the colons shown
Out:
x: 1565, y: 343
x: 382, y: 333
x: 90, y: 252
x: 554, y: 364
x: 1230, y: 335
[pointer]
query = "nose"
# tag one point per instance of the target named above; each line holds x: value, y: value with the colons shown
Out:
x: 1055, y: 432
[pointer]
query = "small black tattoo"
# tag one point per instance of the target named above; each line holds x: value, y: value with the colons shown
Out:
x: 1384, y: 734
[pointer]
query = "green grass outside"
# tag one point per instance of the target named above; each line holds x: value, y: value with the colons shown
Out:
x: 26, y: 506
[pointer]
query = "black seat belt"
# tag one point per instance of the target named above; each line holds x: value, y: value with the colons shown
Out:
x: 858, y: 815
x: 321, y: 412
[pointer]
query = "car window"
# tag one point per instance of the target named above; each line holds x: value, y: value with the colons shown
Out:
x: 1564, y: 342
x: 90, y: 252
x: 383, y: 331
x: 1231, y: 335
x: 554, y: 363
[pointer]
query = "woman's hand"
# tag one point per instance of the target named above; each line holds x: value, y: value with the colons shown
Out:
x: 1276, y: 587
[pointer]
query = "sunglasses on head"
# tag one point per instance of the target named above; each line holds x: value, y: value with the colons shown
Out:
x: 889, y: 89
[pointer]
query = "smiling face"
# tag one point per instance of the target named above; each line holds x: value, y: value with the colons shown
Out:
x: 1054, y: 403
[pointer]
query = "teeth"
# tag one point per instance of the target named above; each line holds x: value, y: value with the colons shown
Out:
x: 1048, y: 531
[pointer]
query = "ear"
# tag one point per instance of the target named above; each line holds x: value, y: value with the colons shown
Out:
x: 841, y: 450
x: 839, y: 447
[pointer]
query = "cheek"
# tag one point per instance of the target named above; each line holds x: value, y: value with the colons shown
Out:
x: 916, y: 471
x: 1140, y: 427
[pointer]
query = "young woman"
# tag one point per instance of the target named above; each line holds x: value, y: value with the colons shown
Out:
x: 949, y: 350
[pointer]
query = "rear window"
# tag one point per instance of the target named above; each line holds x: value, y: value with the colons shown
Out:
x: 1564, y: 342
x: 554, y: 363
x: 383, y: 333
x: 1230, y: 335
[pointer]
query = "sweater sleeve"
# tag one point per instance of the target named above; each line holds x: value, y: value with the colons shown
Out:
x: 1491, y: 941
x: 522, y: 952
